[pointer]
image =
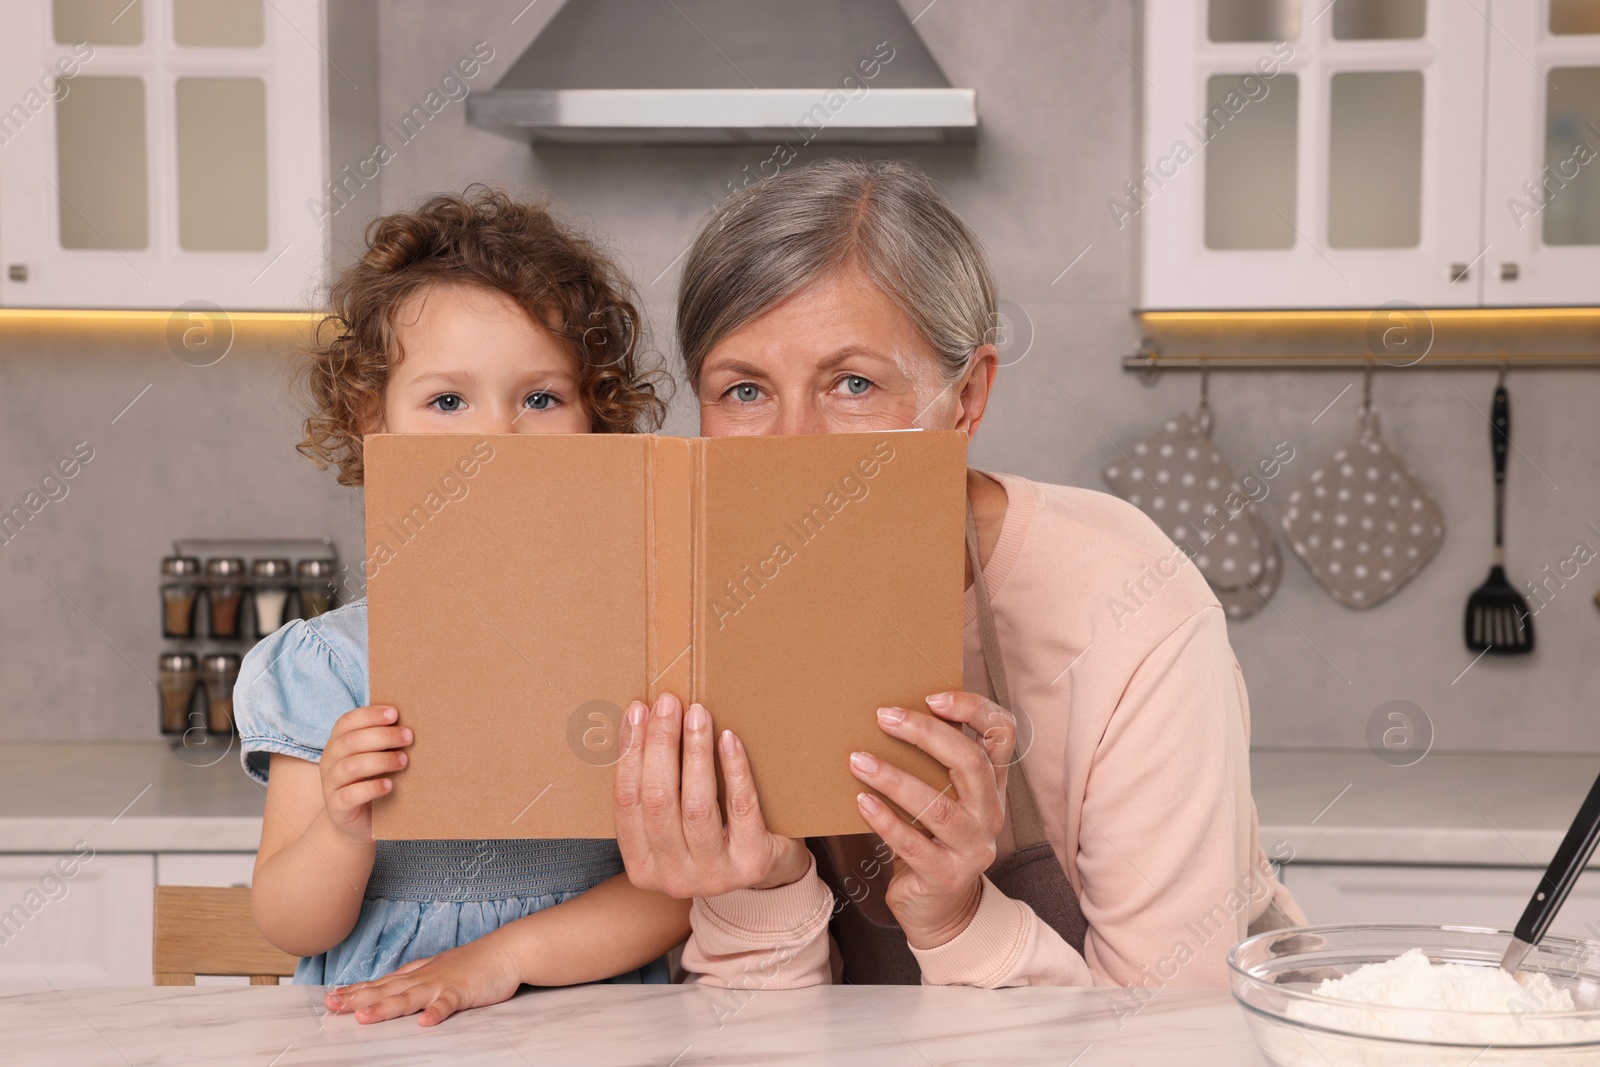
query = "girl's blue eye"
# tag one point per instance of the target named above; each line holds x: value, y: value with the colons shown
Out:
x: 855, y: 385
x: 540, y: 401
x: 447, y: 402
x: 746, y: 393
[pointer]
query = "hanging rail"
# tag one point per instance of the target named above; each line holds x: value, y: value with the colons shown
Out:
x: 1149, y: 362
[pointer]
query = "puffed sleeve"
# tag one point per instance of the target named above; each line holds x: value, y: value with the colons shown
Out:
x: 295, y: 683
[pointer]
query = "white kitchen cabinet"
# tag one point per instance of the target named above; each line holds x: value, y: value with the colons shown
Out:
x: 75, y: 919
x: 1369, y: 152
x: 1542, y: 170
x: 205, y: 868
x: 85, y: 918
x: 180, y: 161
x: 1464, y: 896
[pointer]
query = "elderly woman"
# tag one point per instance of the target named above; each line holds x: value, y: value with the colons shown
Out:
x: 847, y: 296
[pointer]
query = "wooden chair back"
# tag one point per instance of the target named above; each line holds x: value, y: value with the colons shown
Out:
x: 211, y: 930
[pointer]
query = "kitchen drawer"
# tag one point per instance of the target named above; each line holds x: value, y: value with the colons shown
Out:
x: 1465, y: 896
x: 75, y: 919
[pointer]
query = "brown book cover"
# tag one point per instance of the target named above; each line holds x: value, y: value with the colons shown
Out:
x: 523, y: 589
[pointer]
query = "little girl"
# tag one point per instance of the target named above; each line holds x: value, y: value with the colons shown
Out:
x: 472, y: 314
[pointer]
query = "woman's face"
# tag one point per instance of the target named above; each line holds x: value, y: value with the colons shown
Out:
x: 838, y: 357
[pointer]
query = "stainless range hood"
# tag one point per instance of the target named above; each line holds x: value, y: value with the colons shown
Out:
x: 727, y: 72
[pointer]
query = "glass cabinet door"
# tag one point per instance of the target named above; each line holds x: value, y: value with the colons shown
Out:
x: 166, y: 155
x: 1310, y: 153
x: 1542, y: 200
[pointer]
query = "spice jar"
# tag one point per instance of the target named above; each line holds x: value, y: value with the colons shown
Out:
x: 178, y: 679
x: 225, y: 590
x: 180, y: 592
x: 269, y: 592
x: 316, y: 587
x: 220, y: 670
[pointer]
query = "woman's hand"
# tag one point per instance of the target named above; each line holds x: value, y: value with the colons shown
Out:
x: 669, y: 827
x: 360, y: 750
x: 473, y: 975
x: 935, y: 887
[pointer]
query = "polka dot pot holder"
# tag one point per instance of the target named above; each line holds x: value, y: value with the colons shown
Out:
x: 1178, y: 478
x: 1247, y: 599
x: 1362, y: 523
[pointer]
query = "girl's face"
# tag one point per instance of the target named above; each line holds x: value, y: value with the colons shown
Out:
x: 838, y: 357
x: 475, y: 362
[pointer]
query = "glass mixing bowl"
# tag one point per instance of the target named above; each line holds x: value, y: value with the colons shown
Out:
x: 1273, y: 975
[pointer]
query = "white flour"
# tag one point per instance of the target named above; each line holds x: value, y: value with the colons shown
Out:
x: 1514, y: 1012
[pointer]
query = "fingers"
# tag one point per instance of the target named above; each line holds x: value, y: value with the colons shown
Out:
x: 397, y: 995
x: 936, y: 810
x: 759, y: 858
x: 376, y: 717
x: 626, y: 784
x: 702, y: 820
x: 364, y: 765
x: 355, y: 795
x: 659, y: 786
x: 995, y: 726
x: 404, y: 1000
x: 916, y: 850
x: 970, y: 770
x: 747, y: 830
x: 361, y: 718
x: 370, y: 739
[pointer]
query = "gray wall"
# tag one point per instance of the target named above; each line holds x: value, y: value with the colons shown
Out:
x: 1059, y: 100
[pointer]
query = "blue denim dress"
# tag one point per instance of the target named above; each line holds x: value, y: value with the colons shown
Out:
x: 422, y: 897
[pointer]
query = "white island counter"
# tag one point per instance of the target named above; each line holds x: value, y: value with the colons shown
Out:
x: 602, y: 1025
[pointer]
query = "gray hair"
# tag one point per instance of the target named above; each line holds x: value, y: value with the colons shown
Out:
x: 775, y: 238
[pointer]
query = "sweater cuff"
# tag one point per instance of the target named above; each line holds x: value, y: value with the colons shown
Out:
x: 771, y: 915
x: 986, y: 952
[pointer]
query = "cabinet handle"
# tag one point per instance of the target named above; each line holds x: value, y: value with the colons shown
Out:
x: 17, y: 272
x: 1508, y: 272
x: 1459, y: 272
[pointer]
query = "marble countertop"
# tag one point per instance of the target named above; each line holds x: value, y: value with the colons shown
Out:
x: 1321, y: 806
x: 600, y: 1025
x: 127, y: 797
x: 1482, y: 809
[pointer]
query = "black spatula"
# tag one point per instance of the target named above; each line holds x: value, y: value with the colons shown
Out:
x: 1498, y: 620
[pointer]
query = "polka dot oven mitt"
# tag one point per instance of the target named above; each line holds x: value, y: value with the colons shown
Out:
x: 1362, y: 523
x: 1179, y: 479
x: 1250, y: 598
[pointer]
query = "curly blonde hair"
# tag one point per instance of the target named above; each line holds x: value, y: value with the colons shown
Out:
x: 481, y: 238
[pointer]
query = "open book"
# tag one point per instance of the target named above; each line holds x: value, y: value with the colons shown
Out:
x: 523, y: 589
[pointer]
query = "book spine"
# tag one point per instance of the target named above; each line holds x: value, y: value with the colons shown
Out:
x: 697, y: 571
x: 669, y: 582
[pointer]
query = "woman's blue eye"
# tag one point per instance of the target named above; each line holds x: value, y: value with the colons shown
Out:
x: 447, y: 402
x: 746, y: 393
x: 855, y: 385
x: 539, y: 401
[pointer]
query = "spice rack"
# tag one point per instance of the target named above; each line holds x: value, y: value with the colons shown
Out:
x: 218, y: 597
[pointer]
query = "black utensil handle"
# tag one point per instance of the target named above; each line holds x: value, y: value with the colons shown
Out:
x: 1500, y: 444
x: 1558, y: 880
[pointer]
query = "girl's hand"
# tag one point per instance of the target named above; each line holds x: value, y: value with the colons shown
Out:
x: 935, y: 887
x: 473, y: 975
x: 671, y: 835
x: 361, y: 748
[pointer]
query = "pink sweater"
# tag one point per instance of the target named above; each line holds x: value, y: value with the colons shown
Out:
x: 1117, y: 652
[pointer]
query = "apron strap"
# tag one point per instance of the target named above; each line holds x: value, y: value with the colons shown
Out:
x: 1027, y: 828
